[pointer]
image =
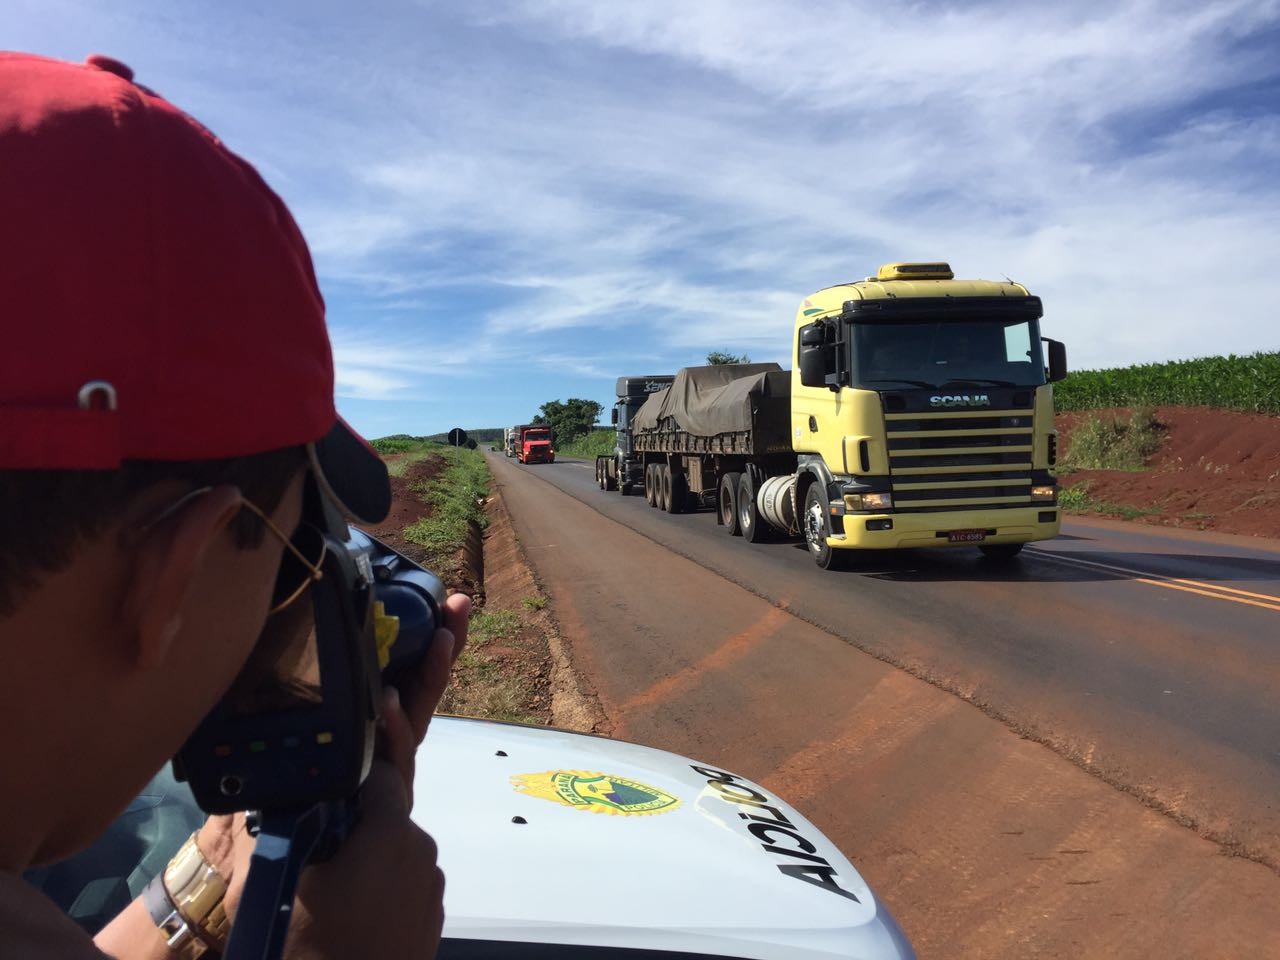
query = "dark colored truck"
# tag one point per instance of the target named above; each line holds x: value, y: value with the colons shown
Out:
x: 714, y: 437
x: 622, y: 470
x: 533, y: 444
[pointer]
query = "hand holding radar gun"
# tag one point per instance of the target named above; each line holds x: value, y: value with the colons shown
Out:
x: 293, y: 739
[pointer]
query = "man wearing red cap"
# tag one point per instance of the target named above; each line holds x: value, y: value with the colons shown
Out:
x: 166, y: 391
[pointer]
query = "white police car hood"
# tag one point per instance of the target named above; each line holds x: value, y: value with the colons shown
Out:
x: 562, y: 838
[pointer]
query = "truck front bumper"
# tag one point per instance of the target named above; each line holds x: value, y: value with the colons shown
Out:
x: 1019, y: 525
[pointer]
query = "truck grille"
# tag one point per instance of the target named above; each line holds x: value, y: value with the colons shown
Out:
x: 960, y: 459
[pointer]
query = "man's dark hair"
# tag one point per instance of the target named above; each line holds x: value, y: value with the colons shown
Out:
x: 45, y: 513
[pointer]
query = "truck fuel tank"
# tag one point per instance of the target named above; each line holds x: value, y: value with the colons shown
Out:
x: 776, y: 503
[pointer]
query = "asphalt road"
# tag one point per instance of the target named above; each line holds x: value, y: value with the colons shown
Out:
x: 1146, y: 660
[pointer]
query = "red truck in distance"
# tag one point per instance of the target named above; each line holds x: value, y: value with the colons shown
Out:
x: 533, y: 444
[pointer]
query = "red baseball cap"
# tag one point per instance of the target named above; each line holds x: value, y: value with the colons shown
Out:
x: 159, y: 302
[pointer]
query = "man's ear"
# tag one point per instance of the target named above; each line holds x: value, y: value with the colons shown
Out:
x: 165, y: 561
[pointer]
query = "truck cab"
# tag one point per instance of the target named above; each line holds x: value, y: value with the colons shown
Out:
x: 535, y: 445
x: 922, y: 414
x: 624, y: 468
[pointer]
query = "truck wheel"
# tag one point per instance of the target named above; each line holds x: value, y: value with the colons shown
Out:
x: 679, y: 493
x: 610, y: 479
x: 1001, y: 552
x: 664, y: 487
x: 599, y: 482
x: 817, y: 527
x: 651, y: 484
x: 754, y: 527
x: 729, y: 503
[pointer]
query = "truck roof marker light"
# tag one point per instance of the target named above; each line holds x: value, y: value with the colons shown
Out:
x: 936, y: 270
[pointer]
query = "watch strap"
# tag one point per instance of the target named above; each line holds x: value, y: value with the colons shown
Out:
x: 186, y: 903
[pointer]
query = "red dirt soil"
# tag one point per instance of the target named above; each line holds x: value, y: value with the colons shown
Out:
x: 1217, y: 470
x: 407, y: 506
x: 522, y: 659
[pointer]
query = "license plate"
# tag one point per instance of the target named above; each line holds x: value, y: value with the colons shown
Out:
x: 966, y: 536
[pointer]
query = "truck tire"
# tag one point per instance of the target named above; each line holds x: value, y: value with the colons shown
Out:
x: 755, y: 529
x: 679, y: 487
x: 817, y: 527
x: 651, y: 484
x: 1001, y: 552
x: 599, y: 482
x: 728, y: 501
x: 664, y: 488
x: 610, y: 479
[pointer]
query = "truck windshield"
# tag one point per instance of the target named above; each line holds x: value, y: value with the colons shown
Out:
x: 537, y: 435
x: 905, y: 353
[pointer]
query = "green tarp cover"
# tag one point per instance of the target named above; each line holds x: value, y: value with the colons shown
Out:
x: 724, y: 398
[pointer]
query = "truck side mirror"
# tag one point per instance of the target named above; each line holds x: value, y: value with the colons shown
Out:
x: 613, y: 416
x: 1057, y: 360
x: 812, y: 335
x: 813, y: 356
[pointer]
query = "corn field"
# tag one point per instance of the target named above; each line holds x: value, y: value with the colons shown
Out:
x: 1249, y: 383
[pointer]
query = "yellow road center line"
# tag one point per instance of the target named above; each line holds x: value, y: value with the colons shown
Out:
x: 1208, y: 593
x: 1264, y: 600
x: 1243, y: 593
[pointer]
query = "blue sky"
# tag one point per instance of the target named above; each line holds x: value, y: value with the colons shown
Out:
x: 510, y: 202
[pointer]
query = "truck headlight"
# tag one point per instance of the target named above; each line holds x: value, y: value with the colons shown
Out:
x: 1044, y: 493
x: 868, y: 501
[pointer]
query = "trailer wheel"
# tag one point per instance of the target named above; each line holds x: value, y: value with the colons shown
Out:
x: 1001, y: 552
x: 599, y: 480
x: 729, y: 503
x: 664, y: 487
x: 651, y: 484
x: 754, y: 527
x: 817, y: 527
x: 610, y: 479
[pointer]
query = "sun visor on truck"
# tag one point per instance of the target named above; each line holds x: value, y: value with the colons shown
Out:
x: 642, y: 386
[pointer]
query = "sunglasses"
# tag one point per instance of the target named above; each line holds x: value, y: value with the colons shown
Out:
x: 300, y: 565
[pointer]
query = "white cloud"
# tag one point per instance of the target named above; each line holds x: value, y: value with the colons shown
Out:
x: 591, y: 185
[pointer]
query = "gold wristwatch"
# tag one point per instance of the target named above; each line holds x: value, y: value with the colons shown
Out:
x: 186, y: 903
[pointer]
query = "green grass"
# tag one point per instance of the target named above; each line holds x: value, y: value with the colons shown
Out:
x: 1076, y: 499
x: 536, y: 602
x: 495, y: 625
x: 408, y: 450
x: 1250, y: 383
x: 1112, y: 443
x: 480, y: 688
x: 398, y: 443
x: 457, y: 496
x: 595, y: 444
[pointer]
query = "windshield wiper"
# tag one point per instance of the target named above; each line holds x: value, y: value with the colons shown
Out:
x: 987, y: 380
x: 914, y: 383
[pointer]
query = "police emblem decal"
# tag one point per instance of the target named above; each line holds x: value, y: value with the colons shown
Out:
x: 596, y: 792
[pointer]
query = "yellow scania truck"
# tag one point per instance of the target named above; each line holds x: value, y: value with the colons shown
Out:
x: 918, y: 413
